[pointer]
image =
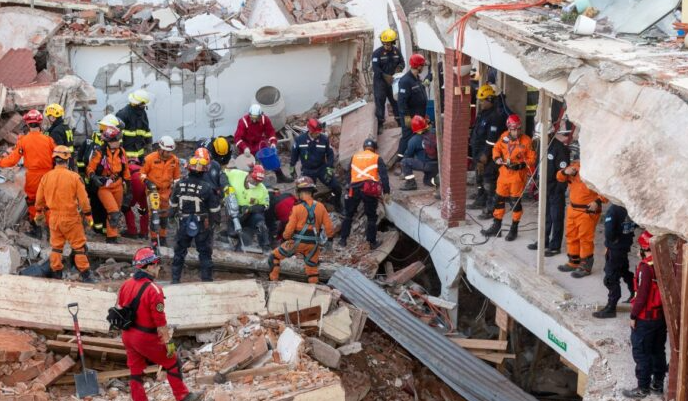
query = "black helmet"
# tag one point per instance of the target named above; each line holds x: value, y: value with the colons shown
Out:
x: 369, y: 143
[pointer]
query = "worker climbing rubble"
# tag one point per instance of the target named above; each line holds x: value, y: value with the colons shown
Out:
x: 108, y: 171
x: 387, y: 61
x: 421, y: 155
x: 253, y: 199
x: 303, y: 233
x: 138, y: 201
x: 59, y: 130
x: 412, y: 100
x: 197, y: 208
x: 254, y: 132
x: 37, y: 151
x: 62, y: 194
x: 138, y: 138
x: 514, y: 155
x: 317, y: 159
x: 159, y: 173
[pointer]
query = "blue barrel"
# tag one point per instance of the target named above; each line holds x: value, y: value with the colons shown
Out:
x: 430, y: 110
x: 268, y: 158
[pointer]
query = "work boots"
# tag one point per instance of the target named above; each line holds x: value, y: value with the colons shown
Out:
x: 87, y: 277
x: 493, y: 230
x: 57, y: 274
x: 608, y: 312
x: 657, y: 386
x: 375, y: 245
x: 513, y: 232
x: 485, y: 215
x: 409, y: 185
x: 342, y: 242
x: 571, y: 265
x: 281, y: 178
x: 637, y: 393
x: 584, y: 269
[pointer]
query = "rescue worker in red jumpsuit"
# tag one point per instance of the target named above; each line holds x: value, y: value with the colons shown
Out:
x: 37, y: 151
x: 138, y: 196
x: 255, y: 132
x: 648, y: 327
x: 277, y: 214
x: 149, y: 340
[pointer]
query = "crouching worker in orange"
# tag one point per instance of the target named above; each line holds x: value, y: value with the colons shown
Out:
x: 302, y: 236
x: 62, y: 192
x: 514, y: 155
x: 582, y: 216
x: 149, y: 339
x: 37, y: 151
x: 108, y: 171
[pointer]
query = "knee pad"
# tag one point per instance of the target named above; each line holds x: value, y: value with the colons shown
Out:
x: 80, y: 259
x: 114, y: 218
x: 271, y: 260
x: 500, y: 203
x: 56, y: 259
x: 517, y: 204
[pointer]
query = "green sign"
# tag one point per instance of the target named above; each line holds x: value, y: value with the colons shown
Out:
x: 561, y: 344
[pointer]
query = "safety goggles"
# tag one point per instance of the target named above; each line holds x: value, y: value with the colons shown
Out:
x: 197, y: 160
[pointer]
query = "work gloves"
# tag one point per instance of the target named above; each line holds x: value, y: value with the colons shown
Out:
x: 150, y: 186
x: 98, y: 180
x: 388, y: 78
x: 171, y: 349
x: 39, y: 219
x: 387, y: 199
x: 274, y: 146
x: 292, y: 171
x: 329, y: 173
x: 88, y: 219
x: 127, y: 196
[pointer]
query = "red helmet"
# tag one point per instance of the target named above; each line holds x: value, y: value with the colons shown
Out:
x: 305, y: 183
x: 417, y: 60
x: 200, y: 160
x: 110, y: 134
x: 33, y: 116
x: 314, y: 126
x: 513, y: 121
x: 144, y: 257
x: 258, y: 173
x: 418, y: 124
x: 644, y: 240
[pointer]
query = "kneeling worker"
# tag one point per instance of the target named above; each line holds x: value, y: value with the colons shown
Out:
x: 302, y: 236
x: 421, y: 154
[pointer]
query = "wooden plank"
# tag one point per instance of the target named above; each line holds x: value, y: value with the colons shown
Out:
x: 97, y: 341
x: 104, y: 377
x: 304, y: 315
x: 494, y: 357
x: 90, y: 350
x: 473, y: 343
x: 407, y: 273
x: 682, y: 375
x: 581, y: 383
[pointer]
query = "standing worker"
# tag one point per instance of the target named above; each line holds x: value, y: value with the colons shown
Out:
x: 37, y: 151
x: 137, y: 135
x: 368, y: 181
x: 413, y: 100
x: 138, y: 199
x: 387, y: 61
x: 302, y: 233
x: 317, y: 159
x: 108, y: 171
x: 254, y: 132
x: 160, y: 171
x: 198, y: 210
x: 618, y: 238
x: 648, y: 327
x: 62, y: 192
x: 59, y: 130
x: 214, y: 174
x: 150, y: 338
x: 514, y: 153
x: 582, y: 216
x: 421, y: 155
x: 253, y: 199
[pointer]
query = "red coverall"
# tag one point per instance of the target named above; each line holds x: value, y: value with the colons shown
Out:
x: 138, y: 199
x: 256, y: 135
x: 144, y: 346
x: 37, y: 151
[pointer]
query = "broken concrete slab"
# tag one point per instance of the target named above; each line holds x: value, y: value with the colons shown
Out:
x: 357, y: 126
x: 337, y: 325
x: 166, y: 17
x: 210, y: 30
x: 26, y: 28
x: 10, y: 259
x: 17, y: 68
x: 12, y: 196
x: 290, y: 293
x: 313, y: 33
x: 351, y: 348
x: 289, y: 345
x: 388, y: 143
x: 324, y: 353
x: 69, y: 91
x: 15, y: 346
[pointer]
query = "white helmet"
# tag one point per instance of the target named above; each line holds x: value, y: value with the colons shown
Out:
x: 166, y: 143
x: 110, y: 120
x: 139, y: 96
x: 254, y: 110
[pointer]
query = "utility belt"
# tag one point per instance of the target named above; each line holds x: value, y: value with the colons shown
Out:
x: 584, y: 208
x: 149, y: 330
x: 307, y: 237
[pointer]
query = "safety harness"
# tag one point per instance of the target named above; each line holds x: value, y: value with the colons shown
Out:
x: 301, y: 236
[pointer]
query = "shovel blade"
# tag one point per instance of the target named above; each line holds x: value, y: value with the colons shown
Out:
x: 86, y: 383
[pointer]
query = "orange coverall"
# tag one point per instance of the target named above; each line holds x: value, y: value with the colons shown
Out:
x: 114, y: 167
x: 580, y: 224
x: 511, y: 182
x: 63, y: 193
x: 37, y: 151
x: 162, y: 173
x: 309, y: 249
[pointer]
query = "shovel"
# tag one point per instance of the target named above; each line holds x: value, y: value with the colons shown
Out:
x: 87, y: 381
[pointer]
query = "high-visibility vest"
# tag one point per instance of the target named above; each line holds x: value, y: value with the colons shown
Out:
x: 364, y: 167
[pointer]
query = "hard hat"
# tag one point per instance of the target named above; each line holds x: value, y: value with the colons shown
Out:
x: 258, y: 173
x: 644, y: 240
x: 485, y: 92
x: 33, y: 116
x: 167, y: 143
x: 417, y: 60
x: 314, y: 126
x: 513, y: 122
x: 418, y: 124
x: 144, y: 257
x: 200, y: 160
x: 388, y: 35
x: 254, y: 110
x: 110, y: 120
x: 369, y: 143
x: 54, y: 110
x: 139, y: 96
x: 221, y: 146
x: 305, y: 183
x: 111, y: 134
x: 202, y: 153
x: 62, y: 152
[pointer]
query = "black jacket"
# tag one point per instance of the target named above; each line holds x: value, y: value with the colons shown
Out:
x: 194, y: 195
x: 62, y: 134
x: 313, y: 153
x: 618, y: 229
x: 412, y: 97
x: 386, y: 63
x: 489, y: 126
x: 558, y: 158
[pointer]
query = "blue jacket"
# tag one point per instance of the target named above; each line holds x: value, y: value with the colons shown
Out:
x: 313, y: 153
x: 386, y: 63
x: 415, y: 149
x: 618, y: 229
x: 412, y: 99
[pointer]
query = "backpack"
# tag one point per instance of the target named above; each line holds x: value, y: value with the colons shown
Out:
x: 430, y: 144
x: 124, y: 318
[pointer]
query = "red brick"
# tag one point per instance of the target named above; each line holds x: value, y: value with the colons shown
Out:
x: 56, y: 371
x: 29, y: 371
x: 15, y: 346
x: 17, y: 68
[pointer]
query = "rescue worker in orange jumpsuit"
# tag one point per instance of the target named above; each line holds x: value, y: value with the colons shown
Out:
x: 37, y: 151
x: 302, y: 233
x: 108, y: 170
x: 160, y: 171
x: 150, y: 339
x: 514, y: 153
x: 582, y: 216
x: 62, y: 192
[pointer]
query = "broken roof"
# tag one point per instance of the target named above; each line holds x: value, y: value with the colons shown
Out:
x: 315, y: 32
x: 26, y: 28
x: 17, y: 68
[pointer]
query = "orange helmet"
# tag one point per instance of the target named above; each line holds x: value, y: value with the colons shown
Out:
x: 62, y: 152
x: 419, y: 124
x: 33, y: 116
x: 258, y: 173
x: 200, y: 161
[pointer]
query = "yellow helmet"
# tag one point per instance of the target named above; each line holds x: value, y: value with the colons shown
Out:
x: 485, y: 91
x: 62, y: 152
x: 54, y: 110
x: 221, y: 146
x: 388, y: 35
